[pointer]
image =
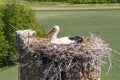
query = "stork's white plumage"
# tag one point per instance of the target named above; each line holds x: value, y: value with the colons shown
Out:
x: 63, y: 40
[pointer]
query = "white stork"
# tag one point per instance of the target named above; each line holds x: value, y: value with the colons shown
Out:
x: 63, y: 40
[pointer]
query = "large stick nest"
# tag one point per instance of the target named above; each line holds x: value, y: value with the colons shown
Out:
x: 53, y: 59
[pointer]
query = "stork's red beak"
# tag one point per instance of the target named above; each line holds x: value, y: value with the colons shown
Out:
x: 51, y: 31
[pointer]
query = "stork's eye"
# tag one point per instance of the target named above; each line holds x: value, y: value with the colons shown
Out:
x: 54, y: 29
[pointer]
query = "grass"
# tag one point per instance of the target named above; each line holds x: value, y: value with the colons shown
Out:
x: 80, y: 22
x: 9, y: 73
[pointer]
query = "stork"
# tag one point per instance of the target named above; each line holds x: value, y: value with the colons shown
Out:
x: 63, y: 40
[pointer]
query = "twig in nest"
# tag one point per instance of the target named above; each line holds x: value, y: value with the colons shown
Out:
x: 109, y: 65
x: 115, y: 51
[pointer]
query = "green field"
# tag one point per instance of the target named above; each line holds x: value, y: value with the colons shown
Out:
x: 105, y: 23
x: 9, y: 73
x: 80, y: 22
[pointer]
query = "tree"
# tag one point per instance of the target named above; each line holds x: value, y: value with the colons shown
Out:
x: 18, y: 17
x: 80, y: 1
x: 3, y: 43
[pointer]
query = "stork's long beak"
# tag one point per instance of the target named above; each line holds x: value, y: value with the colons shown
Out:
x: 51, y: 31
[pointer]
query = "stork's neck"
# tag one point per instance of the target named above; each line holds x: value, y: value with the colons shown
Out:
x: 54, y: 36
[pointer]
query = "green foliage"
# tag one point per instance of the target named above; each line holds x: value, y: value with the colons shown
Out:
x: 3, y: 42
x: 16, y: 17
x: 48, y: 0
x: 92, y: 1
x: 21, y: 18
x: 80, y: 1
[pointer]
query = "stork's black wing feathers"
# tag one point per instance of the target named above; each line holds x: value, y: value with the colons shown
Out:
x: 76, y: 38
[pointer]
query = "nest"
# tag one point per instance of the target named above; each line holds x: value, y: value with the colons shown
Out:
x: 79, y: 61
